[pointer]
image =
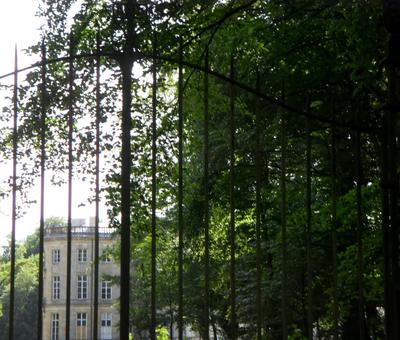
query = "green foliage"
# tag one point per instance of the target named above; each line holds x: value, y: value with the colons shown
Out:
x: 322, y: 52
x: 54, y: 222
x: 162, y: 333
x: 26, y: 286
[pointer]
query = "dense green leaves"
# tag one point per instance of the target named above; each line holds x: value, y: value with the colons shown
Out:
x: 26, y: 285
x: 325, y: 53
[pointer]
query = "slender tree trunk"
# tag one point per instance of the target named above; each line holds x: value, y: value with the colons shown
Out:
x: 171, y: 327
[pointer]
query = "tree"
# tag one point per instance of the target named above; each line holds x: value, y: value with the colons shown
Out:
x: 26, y: 286
x: 317, y: 59
x: 54, y: 222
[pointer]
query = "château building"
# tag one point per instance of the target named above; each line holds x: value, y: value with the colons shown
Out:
x: 82, y: 281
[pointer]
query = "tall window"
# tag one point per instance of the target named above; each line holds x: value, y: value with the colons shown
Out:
x: 82, y: 286
x: 82, y: 255
x: 106, y: 326
x: 106, y: 290
x: 56, y: 287
x: 55, y: 326
x: 56, y: 255
x: 81, y: 326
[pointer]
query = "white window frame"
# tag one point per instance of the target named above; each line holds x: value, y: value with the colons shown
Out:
x: 56, y: 256
x: 106, y: 326
x: 106, y: 290
x: 55, y: 326
x: 82, y: 287
x: 82, y: 255
x: 81, y: 319
x: 56, y: 285
x: 81, y: 324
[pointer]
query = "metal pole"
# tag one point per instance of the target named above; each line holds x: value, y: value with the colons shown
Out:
x: 391, y: 19
x: 258, y: 214
x: 232, y: 234
x: 125, y: 202
x: 283, y: 224
x: 126, y: 164
x: 125, y: 199
x: 97, y: 197
x: 308, y: 226
x: 153, y: 196
x: 14, y: 200
x: 43, y: 105
x: 360, y: 260
x: 180, y: 195
x: 206, y: 208
x: 70, y: 161
x: 334, y: 225
x: 387, y: 234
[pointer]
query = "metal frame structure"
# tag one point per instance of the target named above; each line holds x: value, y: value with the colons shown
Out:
x: 126, y: 60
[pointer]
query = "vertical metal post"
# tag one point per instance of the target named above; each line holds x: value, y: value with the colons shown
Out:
x: 393, y: 175
x: 126, y: 164
x: 180, y: 194
x: 334, y: 224
x: 283, y: 225
x: 43, y: 106
x: 153, y: 193
x: 232, y: 234
x: 14, y: 199
x: 386, y: 231
x: 125, y: 198
x: 308, y: 226
x: 391, y: 20
x: 206, y: 206
x: 360, y: 260
x: 393, y: 211
x: 393, y: 206
x: 70, y: 161
x: 95, y: 325
x: 258, y: 214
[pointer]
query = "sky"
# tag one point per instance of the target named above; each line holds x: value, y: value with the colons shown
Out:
x: 18, y: 25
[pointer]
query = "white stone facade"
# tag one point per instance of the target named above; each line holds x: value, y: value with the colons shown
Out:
x: 82, y: 281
